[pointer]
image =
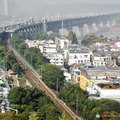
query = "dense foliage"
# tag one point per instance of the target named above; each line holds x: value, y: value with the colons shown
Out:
x: 78, y: 100
x: 109, y: 86
x: 30, y: 101
x: 9, y: 115
x: 11, y: 62
x: 73, y: 38
x: 115, y: 57
x: 53, y: 76
x: 90, y: 39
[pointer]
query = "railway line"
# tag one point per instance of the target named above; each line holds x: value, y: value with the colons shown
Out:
x: 36, y: 81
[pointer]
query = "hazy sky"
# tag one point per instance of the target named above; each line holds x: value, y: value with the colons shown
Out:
x: 72, y: 1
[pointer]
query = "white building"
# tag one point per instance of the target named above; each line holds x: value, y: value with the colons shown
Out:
x: 56, y: 59
x: 50, y: 47
x: 61, y: 42
x: 101, y: 60
x: 78, y: 57
x: 34, y: 43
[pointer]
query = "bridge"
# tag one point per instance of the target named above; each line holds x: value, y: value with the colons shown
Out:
x: 81, y: 25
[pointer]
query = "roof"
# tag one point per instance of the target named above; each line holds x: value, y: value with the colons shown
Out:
x: 10, y: 71
x: 83, y: 52
x: 104, y: 68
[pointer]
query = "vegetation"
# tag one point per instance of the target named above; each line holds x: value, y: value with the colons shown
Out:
x: 90, y: 39
x: 32, y: 103
x: 53, y: 76
x: 64, y: 116
x: 11, y: 62
x: 78, y: 100
x: 9, y: 115
x: 41, y: 36
x: 73, y: 38
x: 115, y: 57
x: 109, y: 86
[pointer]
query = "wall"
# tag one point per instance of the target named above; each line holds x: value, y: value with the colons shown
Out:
x: 114, y: 93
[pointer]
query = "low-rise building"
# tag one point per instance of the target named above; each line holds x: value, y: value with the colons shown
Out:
x: 101, y: 60
x: 56, y: 59
x: 61, y: 42
x: 78, y: 57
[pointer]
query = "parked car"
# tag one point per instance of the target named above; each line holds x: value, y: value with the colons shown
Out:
x: 3, y: 103
x: 2, y: 110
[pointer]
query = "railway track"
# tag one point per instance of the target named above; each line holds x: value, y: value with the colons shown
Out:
x: 36, y: 81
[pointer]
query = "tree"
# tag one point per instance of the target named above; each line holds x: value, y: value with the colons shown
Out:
x: 73, y: 38
x: 33, y: 117
x: 16, y: 95
x: 74, y: 41
x: 16, y: 67
x: 70, y: 36
x: 64, y: 116
x: 24, y: 115
x: 10, y: 59
x: 9, y: 115
x: 52, y: 75
x: 22, y: 47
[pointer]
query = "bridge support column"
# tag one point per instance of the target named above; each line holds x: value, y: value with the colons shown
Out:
x: 78, y: 30
x: 101, y: 25
x: 108, y: 25
x: 63, y: 32
x: 113, y: 23
x: 87, y: 29
x: 44, y: 25
x: 95, y: 27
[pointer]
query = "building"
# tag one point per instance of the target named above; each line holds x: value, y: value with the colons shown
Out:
x: 101, y: 60
x: 56, y: 59
x: 78, y: 57
x: 103, y: 72
x: 5, y: 7
x: 61, y: 43
x: 49, y: 47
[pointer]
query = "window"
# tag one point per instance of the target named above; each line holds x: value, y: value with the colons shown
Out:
x: 85, y: 56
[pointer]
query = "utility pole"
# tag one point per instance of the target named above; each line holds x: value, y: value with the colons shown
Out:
x: 57, y: 88
x: 31, y: 59
x: 77, y: 104
x: 41, y: 72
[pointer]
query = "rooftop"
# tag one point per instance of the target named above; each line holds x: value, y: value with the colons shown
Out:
x: 103, y: 68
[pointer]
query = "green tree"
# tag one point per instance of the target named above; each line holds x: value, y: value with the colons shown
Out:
x: 74, y: 41
x: 52, y: 75
x: 16, y: 67
x: 16, y: 95
x: 9, y: 115
x: 64, y: 116
x: 24, y: 115
x: 73, y: 38
x: 33, y: 117
x: 22, y: 47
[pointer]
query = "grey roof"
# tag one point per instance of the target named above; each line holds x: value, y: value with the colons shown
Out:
x: 75, y: 51
x: 113, y: 68
x: 104, y: 68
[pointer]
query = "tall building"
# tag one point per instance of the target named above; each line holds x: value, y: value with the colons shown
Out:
x: 11, y: 7
x: 6, y: 7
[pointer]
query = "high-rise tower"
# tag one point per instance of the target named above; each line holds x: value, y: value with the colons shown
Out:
x: 5, y: 7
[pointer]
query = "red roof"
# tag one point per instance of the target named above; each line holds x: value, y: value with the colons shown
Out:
x: 10, y: 71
